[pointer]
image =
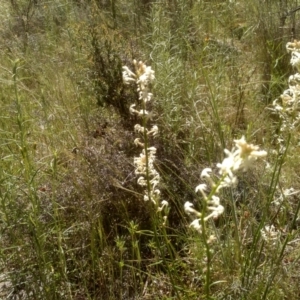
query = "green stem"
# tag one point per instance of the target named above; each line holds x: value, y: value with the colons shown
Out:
x: 207, y: 250
x: 146, y: 151
x: 236, y: 230
x: 154, y: 214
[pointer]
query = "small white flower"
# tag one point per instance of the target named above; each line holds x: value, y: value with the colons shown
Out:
x: 155, y: 181
x: 230, y: 180
x: 139, y: 128
x: 188, y: 208
x: 138, y: 142
x: 293, y: 46
x: 152, y: 150
x: 128, y: 75
x: 201, y: 187
x: 140, y: 113
x: 289, y: 192
x: 164, y: 204
x: 283, y: 195
x: 295, y: 60
x: 132, y: 109
x: 141, y: 181
x: 152, y: 171
x: 196, y: 225
x: 269, y: 233
x: 153, y: 131
x: 247, y: 153
x: 285, y: 98
x: 147, y: 76
x: 156, y: 192
x: 216, y: 212
x: 154, y: 195
x: 277, y: 107
x: 241, y: 157
x: 145, y: 95
x: 294, y: 80
x: 228, y: 164
x: 215, y: 200
x: 205, y: 173
x: 206, y: 176
x: 140, y: 164
x: 128, y: 71
x: 211, y: 239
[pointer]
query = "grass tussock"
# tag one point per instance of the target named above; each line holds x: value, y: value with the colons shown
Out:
x: 114, y: 118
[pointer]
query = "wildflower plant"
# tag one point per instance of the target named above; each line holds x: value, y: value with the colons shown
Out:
x: 240, y: 158
x: 148, y: 176
x: 287, y: 106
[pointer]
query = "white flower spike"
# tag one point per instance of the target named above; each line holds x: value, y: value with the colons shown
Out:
x: 241, y: 157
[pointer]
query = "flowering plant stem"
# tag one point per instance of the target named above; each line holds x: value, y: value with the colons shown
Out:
x: 148, y: 175
x: 155, y: 216
x: 208, y: 255
x: 144, y: 120
x: 238, y: 251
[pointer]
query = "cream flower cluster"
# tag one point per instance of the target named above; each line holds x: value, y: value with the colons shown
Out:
x: 241, y: 157
x: 148, y: 177
x: 294, y: 48
x: 287, y: 106
x: 270, y: 235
